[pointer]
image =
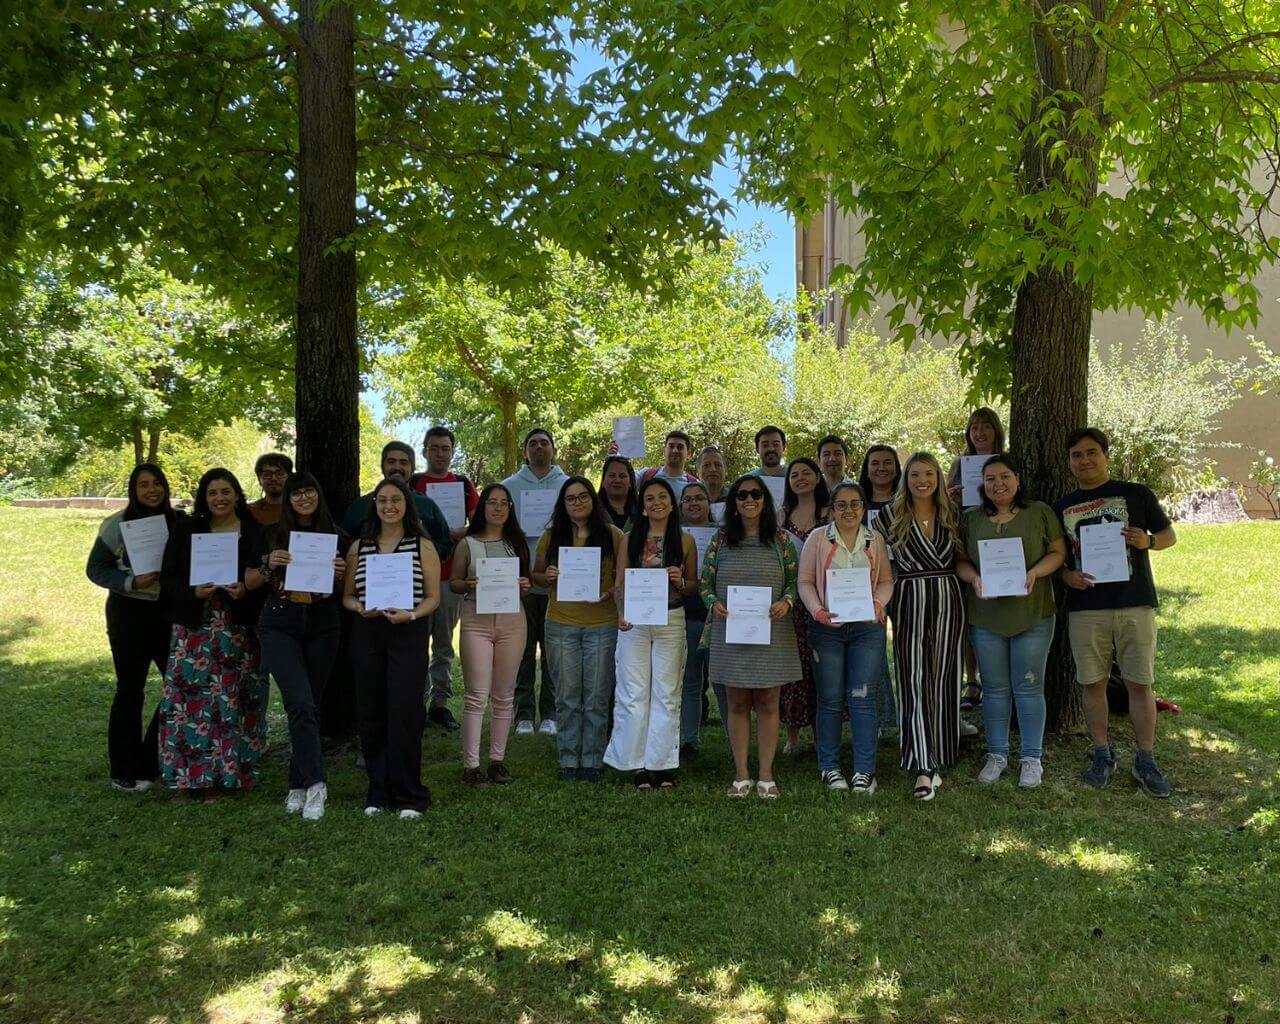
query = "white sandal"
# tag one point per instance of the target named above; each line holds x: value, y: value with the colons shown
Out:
x: 740, y: 788
x: 767, y: 790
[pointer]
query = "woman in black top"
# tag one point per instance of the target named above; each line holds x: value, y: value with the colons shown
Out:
x: 138, y: 629
x: 213, y: 716
x: 299, y: 632
x: 618, y: 489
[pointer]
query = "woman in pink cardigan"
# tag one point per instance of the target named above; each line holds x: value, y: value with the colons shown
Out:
x: 848, y: 654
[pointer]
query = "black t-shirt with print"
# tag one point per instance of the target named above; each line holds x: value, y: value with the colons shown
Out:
x: 1116, y: 501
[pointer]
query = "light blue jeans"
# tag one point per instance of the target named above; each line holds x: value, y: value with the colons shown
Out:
x: 582, y: 665
x: 1012, y: 670
x: 848, y: 664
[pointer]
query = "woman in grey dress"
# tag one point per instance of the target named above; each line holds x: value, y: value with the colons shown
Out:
x: 751, y: 551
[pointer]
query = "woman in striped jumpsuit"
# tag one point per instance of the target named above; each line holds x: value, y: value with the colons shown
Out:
x: 928, y: 618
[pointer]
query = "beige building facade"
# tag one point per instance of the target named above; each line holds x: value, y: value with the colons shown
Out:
x: 1253, y: 422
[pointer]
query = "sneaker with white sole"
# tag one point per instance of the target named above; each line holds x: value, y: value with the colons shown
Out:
x: 1030, y: 772
x: 864, y: 783
x: 130, y: 785
x: 313, y: 809
x: 294, y: 802
x: 408, y: 814
x: 967, y: 728
x: 548, y: 727
x: 833, y: 779
x: 993, y: 769
x: 372, y: 809
x: 524, y: 727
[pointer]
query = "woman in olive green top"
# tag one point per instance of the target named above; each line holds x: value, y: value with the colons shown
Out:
x: 1011, y: 635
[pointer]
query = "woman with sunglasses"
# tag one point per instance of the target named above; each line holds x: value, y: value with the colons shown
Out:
x: 299, y: 632
x: 750, y: 550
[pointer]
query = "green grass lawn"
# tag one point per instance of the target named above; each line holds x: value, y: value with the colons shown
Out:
x: 542, y: 902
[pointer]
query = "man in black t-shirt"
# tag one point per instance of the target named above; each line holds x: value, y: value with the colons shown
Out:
x: 1117, y: 618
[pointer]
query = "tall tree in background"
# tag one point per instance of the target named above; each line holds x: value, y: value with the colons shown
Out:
x: 1014, y: 166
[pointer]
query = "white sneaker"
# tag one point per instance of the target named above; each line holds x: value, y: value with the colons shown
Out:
x: 372, y: 809
x: 408, y: 814
x: 833, y: 779
x: 548, y: 727
x: 294, y: 801
x: 993, y: 769
x: 864, y: 782
x: 314, y: 808
x: 1030, y: 773
x: 524, y: 727
x: 967, y: 728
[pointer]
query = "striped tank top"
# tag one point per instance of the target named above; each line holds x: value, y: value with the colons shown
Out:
x: 407, y: 545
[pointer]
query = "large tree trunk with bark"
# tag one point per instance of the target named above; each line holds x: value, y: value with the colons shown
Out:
x: 327, y: 350
x: 1052, y: 318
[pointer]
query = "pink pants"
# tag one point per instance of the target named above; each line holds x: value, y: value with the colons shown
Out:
x: 492, y: 646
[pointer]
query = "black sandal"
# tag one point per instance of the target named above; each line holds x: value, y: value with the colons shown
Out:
x: 666, y: 780
x: 643, y: 782
x: 926, y: 791
x: 969, y: 701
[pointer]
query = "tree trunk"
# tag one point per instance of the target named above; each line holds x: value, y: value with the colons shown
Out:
x: 510, y: 450
x: 153, y: 445
x: 136, y: 430
x: 327, y: 348
x: 1052, y: 317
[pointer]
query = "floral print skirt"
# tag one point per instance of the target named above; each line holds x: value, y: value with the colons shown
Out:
x: 213, y: 713
x: 797, y: 702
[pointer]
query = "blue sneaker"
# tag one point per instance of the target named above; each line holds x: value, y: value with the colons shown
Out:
x: 1151, y: 778
x: 1102, y: 765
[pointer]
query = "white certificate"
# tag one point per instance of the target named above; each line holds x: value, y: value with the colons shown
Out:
x: 748, y: 621
x: 717, y: 511
x: 628, y: 434
x: 579, y: 578
x: 535, y: 512
x: 702, y: 540
x: 215, y: 559
x: 498, y: 585
x: 645, y: 602
x: 971, y: 479
x: 1103, y: 553
x: 144, y: 540
x: 872, y: 515
x: 452, y: 499
x: 777, y: 487
x: 310, y: 569
x: 388, y: 582
x: 1003, y: 567
x: 849, y: 595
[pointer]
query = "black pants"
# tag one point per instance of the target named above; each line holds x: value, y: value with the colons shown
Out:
x: 390, y: 665
x: 138, y: 632
x: 299, y: 642
x: 535, y: 618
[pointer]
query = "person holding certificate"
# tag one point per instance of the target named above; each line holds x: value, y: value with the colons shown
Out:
x: 580, y: 546
x: 539, y: 473
x: 1111, y: 526
x: 392, y: 583
x: 492, y: 642
x: 846, y: 583
x: 652, y: 649
x: 213, y: 718
x: 927, y: 612
x: 751, y: 552
x: 695, y: 518
x: 805, y: 507
x: 125, y: 561
x: 1007, y: 552
x: 983, y: 435
x: 299, y: 563
x: 618, y: 491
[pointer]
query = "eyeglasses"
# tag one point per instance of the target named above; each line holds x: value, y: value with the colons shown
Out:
x: 497, y: 503
x: 846, y: 506
x: 305, y: 493
x: 272, y: 474
x: 576, y: 499
x: 697, y: 496
x: 749, y: 495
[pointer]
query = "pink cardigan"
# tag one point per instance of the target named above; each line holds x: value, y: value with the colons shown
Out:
x: 816, y: 558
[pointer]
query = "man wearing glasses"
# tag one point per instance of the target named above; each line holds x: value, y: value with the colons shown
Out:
x: 272, y: 470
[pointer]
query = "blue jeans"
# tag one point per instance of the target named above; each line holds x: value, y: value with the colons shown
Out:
x: 848, y: 663
x: 582, y: 665
x: 1012, y: 670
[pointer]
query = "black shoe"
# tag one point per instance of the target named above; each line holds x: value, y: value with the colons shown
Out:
x: 498, y: 773
x: 1151, y: 778
x: 643, y: 781
x: 688, y: 753
x: 1102, y: 765
x: 441, y: 716
x: 474, y: 777
x: 569, y: 774
x: 588, y: 774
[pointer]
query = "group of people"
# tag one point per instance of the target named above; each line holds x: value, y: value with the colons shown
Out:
x: 633, y: 695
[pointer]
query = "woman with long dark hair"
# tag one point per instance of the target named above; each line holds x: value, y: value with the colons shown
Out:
x: 492, y: 644
x: 646, y: 711
x: 389, y: 653
x: 879, y: 478
x: 750, y: 550
x: 618, y: 491
x: 299, y: 633
x: 213, y: 716
x: 581, y: 635
x: 138, y: 629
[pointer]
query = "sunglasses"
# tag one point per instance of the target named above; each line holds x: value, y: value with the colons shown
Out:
x: 752, y: 495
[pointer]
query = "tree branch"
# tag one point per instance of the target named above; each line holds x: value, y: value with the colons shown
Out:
x: 1210, y: 77
x: 1053, y: 44
x: 286, y: 31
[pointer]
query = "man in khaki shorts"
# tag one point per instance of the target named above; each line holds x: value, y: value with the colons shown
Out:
x: 1116, y: 618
